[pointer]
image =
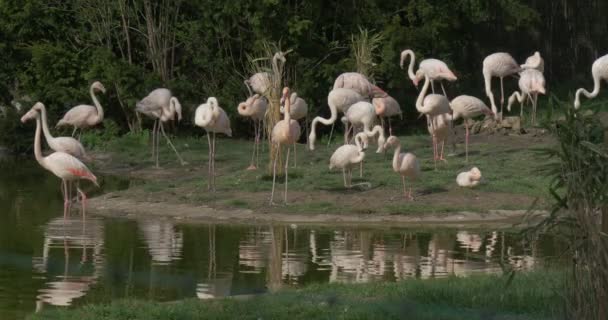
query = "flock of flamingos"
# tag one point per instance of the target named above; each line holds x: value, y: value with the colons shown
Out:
x: 353, y: 94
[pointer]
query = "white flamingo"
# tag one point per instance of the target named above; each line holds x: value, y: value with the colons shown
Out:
x: 211, y: 117
x: 255, y: 108
x: 435, y: 69
x: 355, y: 81
x: 299, y: 111
x: 599, y: 71
x: 501, y: 65
x: 531, y: 83
x: 468, y: 107
x: 432, y: 105
x: 363, y: 115
x: 85, y: 116
x: 346, y: 157
x: 469, y: 179
x: 534, y: 61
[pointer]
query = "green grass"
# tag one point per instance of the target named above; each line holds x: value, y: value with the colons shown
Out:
x: 531, y: 295
x: 510, y: 169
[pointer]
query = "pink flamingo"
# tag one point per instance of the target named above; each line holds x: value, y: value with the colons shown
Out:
x: 441, y: 132
x: 500, y: 64
x: 531, y: 83
x: 432, y: 105
x: 468, y: 107
x: 299, y: 111
x: 255, y: 108
x: 534, y: 61
x: 387, y: 107
x: 285, y: 132
x: 211, y: 117
x: 599, y: 71
x: 469, y: 179
x: 435, y: 69
x: 64, y: 166
x: 355, y: 81
x: 347, y: 156
x: 363, y: 114
x: 406, y: 164
x: 162, y: 106
x: 85, y: 116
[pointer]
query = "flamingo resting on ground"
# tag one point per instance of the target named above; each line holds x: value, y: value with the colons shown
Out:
x: 347, y: 156
x: 85, y: 116
x: 406, y: 164
x: 285, y: 132
x: 599, y: 71
x: 161, y: 106
x: 299, y: 111
x: 534, y: 61
x: 531, y: 83
x: 255, y: 108
x: 435, y: 69
x: 211, y: 117
x: 432, y: 105
x: 468, y: 107
x: 65, y: 166
x: 500, y: 65
x: 469, y: 179
x: 338, y: 100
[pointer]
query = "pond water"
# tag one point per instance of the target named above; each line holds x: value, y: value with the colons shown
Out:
x: 46, y: 262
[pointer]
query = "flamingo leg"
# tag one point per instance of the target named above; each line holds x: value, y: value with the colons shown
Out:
x: 209, y: 161
x: 295, y: 154
x: 255, y: 144
x: 286, y: 173
x: 258, y: 137
x: 66, y: 202
x: 441, y: 154
x: 346, y: 132
x: 274, y: 174
x: 403, y: 182
x: 331, y: 132
x: 171, y: 144
x: 390, y: 129
x: 361, y: 169
x: 410, y: 194
x: 434, y: 142
x: 74, y: 132
x: 153, y: 139
x: 84, y: 204
x: 535, y: 101
x: 157, y: 143
x: 502, y: 97
x: 350, y: 177
x: 466, y: 142
x: 443, y: 89
x: 433, y: 86
x: 213, y: 167
x: 344, y: 177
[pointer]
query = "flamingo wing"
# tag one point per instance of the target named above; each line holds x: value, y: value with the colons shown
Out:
x: 68, y: 167
x: 78, y: 116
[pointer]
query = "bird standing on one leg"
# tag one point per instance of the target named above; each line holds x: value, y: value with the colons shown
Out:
x: 285, y: 132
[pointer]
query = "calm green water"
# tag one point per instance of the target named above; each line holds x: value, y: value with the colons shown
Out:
x: 46, y: 262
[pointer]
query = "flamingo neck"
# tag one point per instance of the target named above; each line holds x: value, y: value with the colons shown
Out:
x: 410, y: 68
x: 97, y: 105
x: 396, y: 156
x: 37, y: 146
x: 592, y: 94
x: 286, y: 113
x: 45, y: 125
x: 420, y: 99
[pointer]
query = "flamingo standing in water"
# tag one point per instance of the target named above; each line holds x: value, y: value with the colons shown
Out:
x: 255, y: 108
x: 85, y: 116
x: 285, y: 132
x: 599, y: 71
x: 406, y: 164
x: 468, y: 107
x: 435, y: 69
x: 211, y: 117
x: 64, y: 166
x: 347, y: 156
x: 500, y: 64
x: 161, y: 106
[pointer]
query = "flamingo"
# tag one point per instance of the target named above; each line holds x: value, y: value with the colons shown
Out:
x: 599, y: 71
x: 500, y: 65
x: 469, y: 179
x: 348, y: 156
x: 260, y: 82
x: 534, y: 61
x: 468, y: 107
x: 63, y: 165
x: 285, y: 132
x: 363, y: 114
x: 162, y: 106
x: 441, y: 132
x: 299, y: 110
x: 355, y: 81
x: 406, y: 164
x: 435, y: 69
x: 255, y: 108
x: 432, y: 106
x: 387, y: 107
x: 211, y: 117
x: 531, y: 83
x: 85, y: 116
x: 338, y: 100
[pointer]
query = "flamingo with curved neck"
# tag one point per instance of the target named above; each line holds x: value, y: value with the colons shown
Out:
x: 85, y: 116
x: 599, y: 71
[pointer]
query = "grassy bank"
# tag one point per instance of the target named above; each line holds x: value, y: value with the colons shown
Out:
x: 510, y: 165
x: 528, y: 296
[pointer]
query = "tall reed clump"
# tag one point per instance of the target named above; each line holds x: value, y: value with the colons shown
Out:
x: 363, y: 48
x: 271, y: 63
x: 580, y: 190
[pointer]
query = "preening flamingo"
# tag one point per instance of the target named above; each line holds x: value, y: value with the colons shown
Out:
x: 534, y: 61
x: 68, y: 145
x: 441, y: 132
x: 299, y: 111
x: 65, y: 166
x: 531, y: 83
x: 469, y: 179
x: 387, y: 107
x: 260, y: 82
x: 285, y: 132
x: 211, y: 117
x: 363, y: 115
x: 599, y: 71
x: 468, y: 107
x: 405, y: 164
x: 346, y: 157
x: 435, y: 69
x: 255, y: 108
x: 500, y: 65
x: 432, y: 105
x: 338, y: 100
x: 357, y: 82
x: 161, y: 106
x: 85, y: 116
